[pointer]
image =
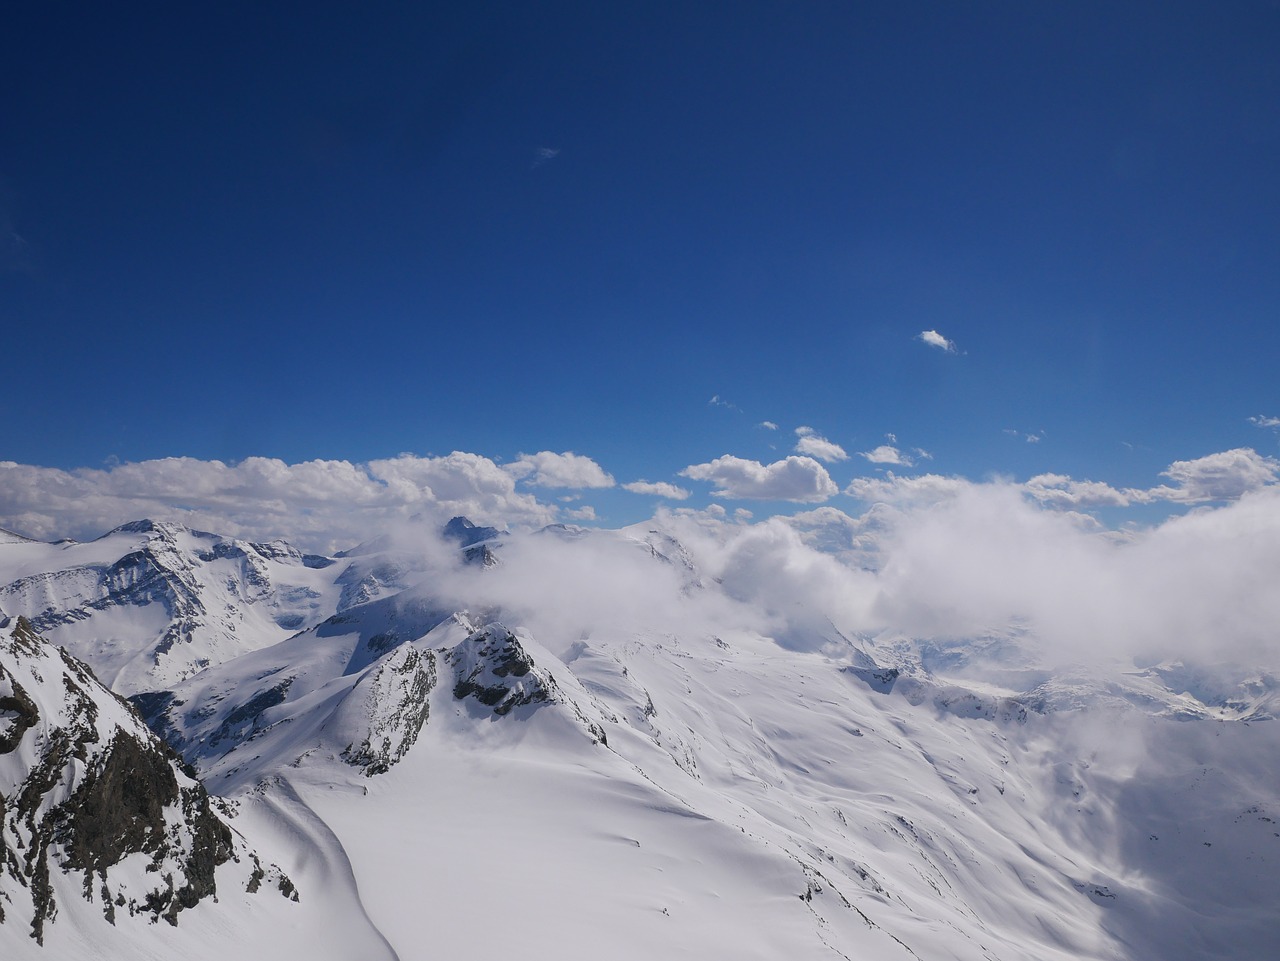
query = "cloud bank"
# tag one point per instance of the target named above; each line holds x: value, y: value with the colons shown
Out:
x: 320, y: 505
x: 928, y: 557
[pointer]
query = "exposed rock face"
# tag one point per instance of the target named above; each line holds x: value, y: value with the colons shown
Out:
x: 83, y: 786
x: 494, y: 668
x: 391, y: 703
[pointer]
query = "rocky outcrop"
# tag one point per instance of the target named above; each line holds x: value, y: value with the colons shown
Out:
x: 390, y: 704
x: 492, y: 667
x: 84, y: 785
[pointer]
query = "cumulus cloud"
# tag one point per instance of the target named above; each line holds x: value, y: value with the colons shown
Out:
x: 935, y: 339
x: 584, y: 513
x: 657, y: 489
x: 1226, y: 475
x: 548, y: 469
x: 1261, y: 421
x: 768, y: 425
x: 1061, y: 491
x: 888, y: 454
x: 814, y: 444
x: 318, y: 505
x: 800, y: 479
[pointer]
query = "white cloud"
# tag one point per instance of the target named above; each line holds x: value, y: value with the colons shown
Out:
x: 953, y: 558
x: 935, y: 557
x: 544, y: 155
x: 813, y: 444
x: 800, y: 479
x: 584, y: 513
x: 1198, y: 585
x: 548, y: 469
x: 914, y: 491
x: 657, y: 489
x: 768, y: 425
x: 718, y: 401
x: 887, y: 454
x: 1031, y: 437
x: 935, y: 339
x: 1223, y: 476
x: 1261, y: 421
x: 1061, y: 491
x: 318, y: 505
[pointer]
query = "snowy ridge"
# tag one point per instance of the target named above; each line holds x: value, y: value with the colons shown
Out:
x: 149, y: 604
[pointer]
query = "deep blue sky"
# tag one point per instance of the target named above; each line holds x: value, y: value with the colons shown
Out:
x: 318, y: 230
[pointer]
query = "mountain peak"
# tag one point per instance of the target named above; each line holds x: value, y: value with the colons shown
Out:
x: 465, y: 533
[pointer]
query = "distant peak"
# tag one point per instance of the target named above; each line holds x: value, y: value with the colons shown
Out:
x: 461, y: 529
x: 13, y: 537
x: 144, y: 526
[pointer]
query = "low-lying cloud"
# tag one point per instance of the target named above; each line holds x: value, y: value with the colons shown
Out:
x: 928, y: 556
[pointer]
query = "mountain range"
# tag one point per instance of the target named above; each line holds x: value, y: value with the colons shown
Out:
x: 454, y: 739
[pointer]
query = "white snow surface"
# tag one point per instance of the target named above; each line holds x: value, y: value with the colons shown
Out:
x: 632, y: 791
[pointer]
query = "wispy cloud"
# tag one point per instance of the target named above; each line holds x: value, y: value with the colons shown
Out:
x: 657, y: 489
x: 1261, y: 421
x: 800, y: 479
x: 814, y: 444
x: 935, y: 339
x: 718, y: 401
x: 1031, y: 437
x: 768, y: 425
x: 548, y: 469
x: 543, y: 155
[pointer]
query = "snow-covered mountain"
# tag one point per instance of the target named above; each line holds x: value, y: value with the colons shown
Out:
x: 464, y: 748
x: 149, y: 604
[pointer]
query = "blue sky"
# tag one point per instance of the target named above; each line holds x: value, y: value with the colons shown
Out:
x: 320, y: 232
